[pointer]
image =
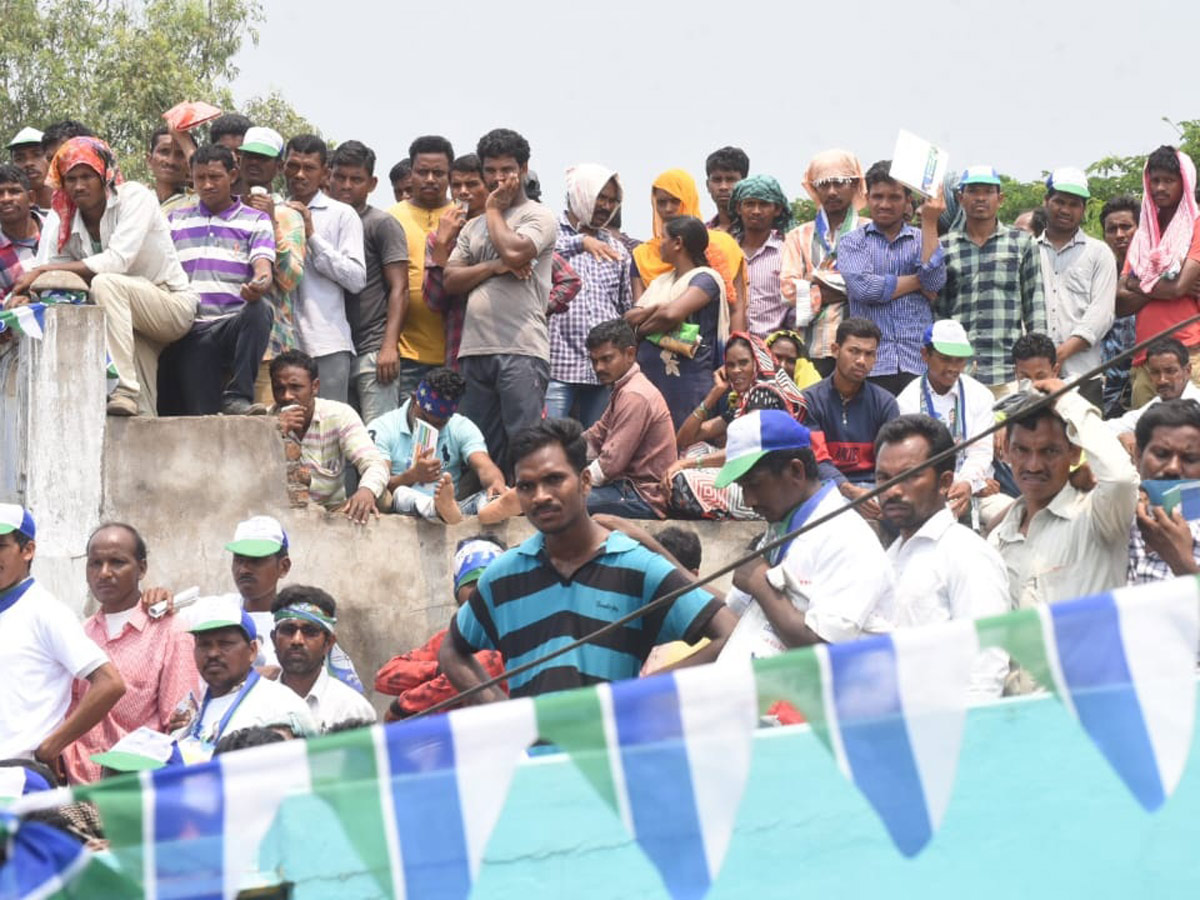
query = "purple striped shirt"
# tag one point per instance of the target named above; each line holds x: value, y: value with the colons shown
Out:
x: 766, y: 311
x: 218, y: 250
x: 871, y: 265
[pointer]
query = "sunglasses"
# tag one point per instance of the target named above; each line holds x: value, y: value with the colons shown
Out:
x: 289, y: 629
x: 836, y: 181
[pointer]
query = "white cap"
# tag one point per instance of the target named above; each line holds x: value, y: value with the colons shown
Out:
x: 949, y: 338
x: 26, y: 135
x: 258, y: 536
x: 262, y: 142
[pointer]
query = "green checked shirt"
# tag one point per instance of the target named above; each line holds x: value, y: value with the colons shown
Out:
x: 995, y: 292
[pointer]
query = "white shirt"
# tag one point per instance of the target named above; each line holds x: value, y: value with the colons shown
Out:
x: 946, y: 571
x: 267, y: 704
x: 837, y: 574
x: 331, y: 703
x: 1127, y: 424
x: 42, y: 651
x: 135, y: 240
x: 334, y: 263
x: 974, y: 465
x: 1080, y: 285
x: 1078, y: 545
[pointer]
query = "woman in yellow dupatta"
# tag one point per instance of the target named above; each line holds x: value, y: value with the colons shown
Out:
x: 673, y: 193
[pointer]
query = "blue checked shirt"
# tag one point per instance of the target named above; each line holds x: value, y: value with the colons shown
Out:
x: 605, y: 295
x: 995, y: 292
x: 871, y: 265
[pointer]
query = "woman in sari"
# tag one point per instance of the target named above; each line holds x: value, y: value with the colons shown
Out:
x: 683, y: 319
x: 750, y: 379
x: 674, y: 194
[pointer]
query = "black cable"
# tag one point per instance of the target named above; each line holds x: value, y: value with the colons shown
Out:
x: 1024, y: 411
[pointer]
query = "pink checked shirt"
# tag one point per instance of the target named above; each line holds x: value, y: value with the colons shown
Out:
x: 155, y: 658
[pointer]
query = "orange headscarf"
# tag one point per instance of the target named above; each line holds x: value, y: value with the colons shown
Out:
x: 835, y: 164
x: 86, y: 151
x: 723, y: 252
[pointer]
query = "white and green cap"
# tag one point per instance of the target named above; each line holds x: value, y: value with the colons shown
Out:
x: 26, y: 135
x: 948, y: 338
x: 979, y: 175
x: 753, y: 436
x: 1069, y: 180
x: 262, y: 142
x: 139, y: 751
x: 258, y: 536
x: 16, y: 518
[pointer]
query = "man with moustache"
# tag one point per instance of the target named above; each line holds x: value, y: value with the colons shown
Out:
x: 567, y: 579
x: 944, y: 570
x: 154, y: 656
x: 26, y: 153
x: 1119, y: 223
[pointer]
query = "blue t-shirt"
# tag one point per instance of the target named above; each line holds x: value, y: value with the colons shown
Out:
x: 524, y: 608
x: 457, y: 440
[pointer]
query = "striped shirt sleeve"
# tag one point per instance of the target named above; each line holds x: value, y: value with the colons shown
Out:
x: 360, y: 451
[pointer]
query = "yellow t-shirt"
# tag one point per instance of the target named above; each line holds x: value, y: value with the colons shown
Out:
x: 423, y: 338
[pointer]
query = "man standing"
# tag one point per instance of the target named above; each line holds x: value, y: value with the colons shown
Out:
x: 469, y: 194
x: 26, y: 153
x: 44, y: 650
x: 1059, y: 542
x: 423, y: 336
x: 532, y: 598
x: 503, y: 261
x: 1164, y: 261
x: 632, y: 445
x: 169, y: 168
x: 1119, y: 223
x: 723, y: 169
x: 1079, y: 277
x: 19, y: 229
x: 227, y: 249
x: 113, y: 235
x: 594, y: 195
x: 831, y: 583
x: 761, y: 217
x: 261, y: 154
x: 946, y: 393
x: 331, y: 436
x: 993, y: 279
x: 236, y: 696
x: 893, y: 272
x: 401, y: 178
x: 425, y: 481
x: 375, y: 312
x: 304, y: 635
x: 333, y: 265
x: 153, y: 655
x: 850, y: 410
x: 808, y: 274
x: 1162, y: 545
x: 944, y: 570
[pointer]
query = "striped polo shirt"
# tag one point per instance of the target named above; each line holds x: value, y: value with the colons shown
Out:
x: 525, y: 608
x: 218, y: 250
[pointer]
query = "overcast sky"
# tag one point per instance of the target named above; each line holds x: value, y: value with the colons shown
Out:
x: 642, y: 86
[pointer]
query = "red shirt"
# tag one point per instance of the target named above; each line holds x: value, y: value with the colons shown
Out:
x: 415, y: 681
x: 1159, y: 314
x: 155, y: 658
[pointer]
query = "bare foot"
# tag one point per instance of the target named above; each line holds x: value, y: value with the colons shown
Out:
x: 506, y: 506
x: 444, y: 502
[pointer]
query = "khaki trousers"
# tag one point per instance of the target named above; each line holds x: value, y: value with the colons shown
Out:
x: 141, y: 319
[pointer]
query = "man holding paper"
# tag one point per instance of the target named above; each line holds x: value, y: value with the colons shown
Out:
x: 1163, y: 544
x: 893, y: 272
x: 430, y: 446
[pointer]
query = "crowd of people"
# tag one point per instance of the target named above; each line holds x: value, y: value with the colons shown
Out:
x: 472, y: 352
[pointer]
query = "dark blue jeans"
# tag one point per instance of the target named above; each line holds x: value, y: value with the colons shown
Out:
x: 618, y: 498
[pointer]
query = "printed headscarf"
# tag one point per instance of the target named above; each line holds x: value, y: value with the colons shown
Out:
x: 759, y: 187
x: 434, y: 403
x: 86, y: 151
x: 769, y: 377
x: 471, y: 559
x: 1152, y: 254
x: 723, y: 252
x: 307, y: 612
x: 835, y: 164
x: 584, y: 184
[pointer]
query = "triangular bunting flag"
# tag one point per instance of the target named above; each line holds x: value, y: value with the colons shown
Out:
x: 25, y: 320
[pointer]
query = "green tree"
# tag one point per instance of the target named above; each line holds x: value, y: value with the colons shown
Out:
x: 118, y: 66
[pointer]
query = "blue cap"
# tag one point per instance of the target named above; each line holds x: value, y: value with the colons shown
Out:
x: 16, y: 518
x: 753, y: 436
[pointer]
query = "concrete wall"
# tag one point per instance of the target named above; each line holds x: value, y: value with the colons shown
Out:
x: 186, y: 483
